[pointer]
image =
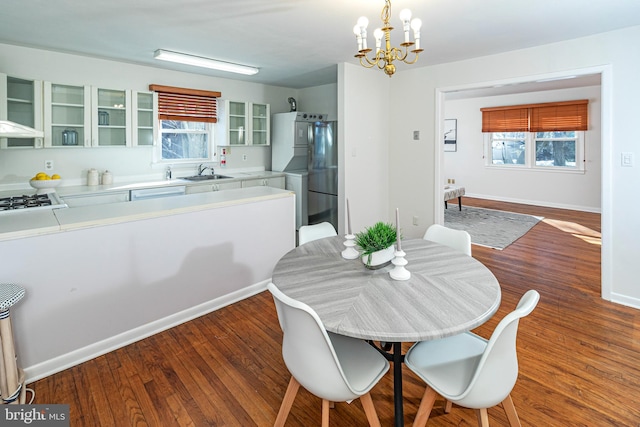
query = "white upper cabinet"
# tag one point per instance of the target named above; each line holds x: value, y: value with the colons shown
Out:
x: 110, y: 117
x: 144, y: 122
x: 247, y: 123
x: 67, y: 115
x: 89, y: 116
x: 21, y: 102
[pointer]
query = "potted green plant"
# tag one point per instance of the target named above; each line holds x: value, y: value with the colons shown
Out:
x: 376, y: 243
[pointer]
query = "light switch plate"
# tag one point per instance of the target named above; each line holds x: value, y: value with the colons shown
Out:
x: 627, y: 159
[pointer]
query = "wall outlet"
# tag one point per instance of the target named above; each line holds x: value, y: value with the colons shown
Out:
x: 416, y: 135
x: 48, y: 165
x: 415, y: 220
x: 244, y: 157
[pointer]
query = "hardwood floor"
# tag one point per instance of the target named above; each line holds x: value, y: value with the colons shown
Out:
x: 578, y: 354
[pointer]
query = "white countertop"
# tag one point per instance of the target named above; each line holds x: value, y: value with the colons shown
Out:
x: 26, y: 224
x: 77, y: 190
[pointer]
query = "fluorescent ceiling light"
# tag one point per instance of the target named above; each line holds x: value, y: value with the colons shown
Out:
x: 199, y: 61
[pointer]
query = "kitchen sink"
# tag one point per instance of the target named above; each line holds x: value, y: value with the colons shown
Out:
x: 206, y: 177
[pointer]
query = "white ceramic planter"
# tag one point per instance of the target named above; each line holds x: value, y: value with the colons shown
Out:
x: 380, y: 258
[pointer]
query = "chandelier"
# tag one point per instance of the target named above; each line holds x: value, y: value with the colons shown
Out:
x: 384, y: 57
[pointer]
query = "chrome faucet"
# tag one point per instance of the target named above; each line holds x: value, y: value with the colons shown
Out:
x: 202, y: 168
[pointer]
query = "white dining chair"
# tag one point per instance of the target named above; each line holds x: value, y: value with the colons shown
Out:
x: 459, y: 240
x: 333, y: 367
x: 308, y: 233
x: 470, y: 371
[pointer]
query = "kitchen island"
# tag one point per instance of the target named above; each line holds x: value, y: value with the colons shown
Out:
x: 100, y: 277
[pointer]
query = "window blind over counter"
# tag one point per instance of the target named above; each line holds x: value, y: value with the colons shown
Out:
x: 547, y: 117
x: 192, y: 105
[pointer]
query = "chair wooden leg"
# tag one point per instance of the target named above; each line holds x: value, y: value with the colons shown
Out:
x: 325, y: 413
x: 287, y: 402
x: 510, y: 410
x: 426, y: 404
x: 483, y: 417
x: 447, y: 406
x: 370, y: 410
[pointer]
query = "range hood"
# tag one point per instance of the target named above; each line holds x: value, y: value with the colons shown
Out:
x: 15, y: 130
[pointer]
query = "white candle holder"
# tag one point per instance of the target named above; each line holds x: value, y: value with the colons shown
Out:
x: 350, y: 252
x: 399, y: 272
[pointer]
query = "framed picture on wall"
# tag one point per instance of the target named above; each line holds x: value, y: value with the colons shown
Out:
x: 450, y: 135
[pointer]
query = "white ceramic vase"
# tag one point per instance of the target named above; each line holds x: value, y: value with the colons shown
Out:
x: 379, y: 258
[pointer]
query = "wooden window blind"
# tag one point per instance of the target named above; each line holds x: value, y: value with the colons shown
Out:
x: 560, y: 116
x: 505, y: 120
x: 191, y: 105
x: 547, y: 117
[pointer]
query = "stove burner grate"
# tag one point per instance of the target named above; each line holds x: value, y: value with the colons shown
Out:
x: 24, y: 202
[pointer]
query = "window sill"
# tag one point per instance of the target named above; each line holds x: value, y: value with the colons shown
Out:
x: 523, y: 168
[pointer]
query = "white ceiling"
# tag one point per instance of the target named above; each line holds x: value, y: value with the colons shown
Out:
x: 297, y: 43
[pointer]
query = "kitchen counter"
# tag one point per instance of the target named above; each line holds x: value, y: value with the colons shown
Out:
x: 78, y: 190
x: 27, y: 224
x: 99, y: 277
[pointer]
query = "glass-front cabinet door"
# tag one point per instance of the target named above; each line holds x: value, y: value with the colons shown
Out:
x: 247, y: 123
x: 67, y: 115
x: 110, y: 117
x: 21, y: 102
x: 144, y: 123
x: 236, y: 122
x: 260, y: 124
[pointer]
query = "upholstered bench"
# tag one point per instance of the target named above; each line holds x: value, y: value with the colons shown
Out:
x: 451, y: 192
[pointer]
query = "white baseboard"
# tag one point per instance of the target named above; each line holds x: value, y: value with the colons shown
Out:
x: 625, y: 300
x: 535, y: 203
x: 76, y: 357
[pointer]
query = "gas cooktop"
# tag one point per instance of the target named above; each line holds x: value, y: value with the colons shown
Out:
x: 30, y: 202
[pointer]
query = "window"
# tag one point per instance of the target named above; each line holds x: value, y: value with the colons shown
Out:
x: 183, y: 140
x: 508, y: 148
x: 546, y: 136
x: 556, y: 149
x: 186, y: 123
x: 550, y: 150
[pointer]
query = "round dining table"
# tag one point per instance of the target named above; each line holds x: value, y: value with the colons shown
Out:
x: 448, y: 293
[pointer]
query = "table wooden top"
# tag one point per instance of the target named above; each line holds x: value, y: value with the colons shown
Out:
x: 448, y: 292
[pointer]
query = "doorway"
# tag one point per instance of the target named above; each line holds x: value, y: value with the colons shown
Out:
x: 576, y: 78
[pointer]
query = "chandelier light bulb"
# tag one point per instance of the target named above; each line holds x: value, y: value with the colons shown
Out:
x: 356, y: 31
x: 405, y: 15
x: 363, y: 22
x: 378, y: 34
x: 416, y: 24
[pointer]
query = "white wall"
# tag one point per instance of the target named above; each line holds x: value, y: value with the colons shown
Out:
x: 17, y: 166
x: 320, y: 99
x: 579, y: 191
x: 415, y: 93
x: 364, y: 152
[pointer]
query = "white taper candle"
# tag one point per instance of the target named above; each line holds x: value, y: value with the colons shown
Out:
x: 348, y: 218
x: 398, y: 247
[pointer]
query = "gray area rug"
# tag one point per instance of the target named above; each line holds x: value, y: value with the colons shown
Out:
x: 489, y: 227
